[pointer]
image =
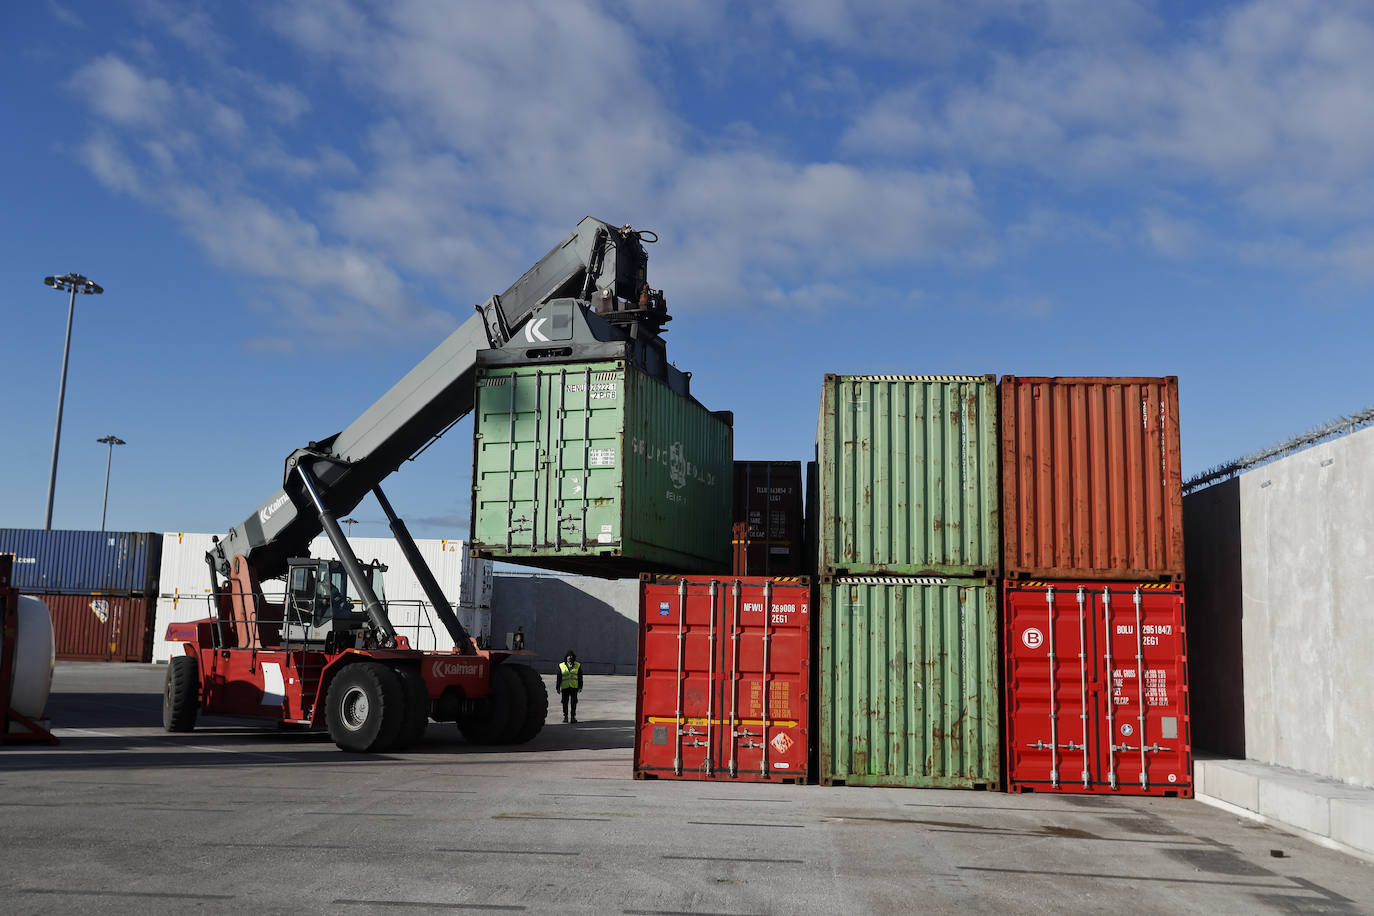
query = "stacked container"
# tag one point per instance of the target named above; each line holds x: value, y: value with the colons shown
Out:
x: 600, y: 468
x: 1096, y: 657
x: 907, y: 533
x: 99, y: 586
x: 768, y: 528
x: 724, y: 678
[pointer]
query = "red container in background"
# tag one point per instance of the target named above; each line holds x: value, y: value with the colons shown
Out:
x: 768, y: 503
x: 1097, y: 688
x: 102, y: 628
x: 1092, y: 480
x: 723, y: 689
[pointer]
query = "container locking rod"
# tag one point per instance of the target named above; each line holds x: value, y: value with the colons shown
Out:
x: 1140, y: 688
x: 1083, y: 677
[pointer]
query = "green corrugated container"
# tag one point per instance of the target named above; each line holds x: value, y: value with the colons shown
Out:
x: 598, y: 468
x: 908, y: 476
x: 909, y: 683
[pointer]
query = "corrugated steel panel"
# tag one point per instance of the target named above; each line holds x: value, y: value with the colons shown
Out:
x: 598, y: 467
x: 101, y: 627
x: 768, y: 503
x: 1097, y: 688
x: 1092, y: 482
x: 83, y: 562
x: 908, y: 475
x: 466, y: 581
x: 909, y: 683
x: 724, y: 679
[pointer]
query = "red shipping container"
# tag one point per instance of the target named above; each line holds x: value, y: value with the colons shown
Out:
x: 1092, y: 480
x: 102, y: 628
x: 1097, y: 688
x: 724, y: 685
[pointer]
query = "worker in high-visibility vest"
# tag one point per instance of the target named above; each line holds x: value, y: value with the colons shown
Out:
x: 570, y: 683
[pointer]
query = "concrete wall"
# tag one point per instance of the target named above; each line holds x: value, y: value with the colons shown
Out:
x: 1306, y: 570
x: 596, y: 618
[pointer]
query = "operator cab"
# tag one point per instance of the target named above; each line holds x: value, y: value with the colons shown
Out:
x: 320, y: 610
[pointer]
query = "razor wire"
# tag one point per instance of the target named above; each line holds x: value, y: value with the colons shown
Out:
x: 1340, y: 426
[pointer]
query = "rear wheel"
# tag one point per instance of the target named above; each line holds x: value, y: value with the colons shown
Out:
x: 505, y: 710
x: 181, y: 696
x: 365, y: 707
x: 416, y: 708
x: 536, y: 702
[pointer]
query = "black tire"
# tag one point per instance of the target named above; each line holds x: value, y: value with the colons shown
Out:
x: 365, y: 707
x: 181, y: 696
x: 416, y: 708
x: 505, y: 712
x: 536, y: 702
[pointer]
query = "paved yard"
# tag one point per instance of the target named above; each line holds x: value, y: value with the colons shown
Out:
x: 125, y: 818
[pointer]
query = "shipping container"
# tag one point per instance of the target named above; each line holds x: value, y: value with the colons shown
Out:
x: 908, y: 475
x: 1092, y: 482
x: 83, y: 562
x: 909, y: 683
x: 768, y: 503
x: 724, y: 679
x: 1097, y: 688
x: 598, y: 468
x: 466, y: 581
x: 102, y: 628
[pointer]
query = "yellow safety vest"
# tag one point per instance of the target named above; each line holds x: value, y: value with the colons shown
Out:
x: 568, y: 675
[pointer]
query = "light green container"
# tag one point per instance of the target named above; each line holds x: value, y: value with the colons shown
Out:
x: 908, y: 476
x: 909, y: 683
x: 598, y: 468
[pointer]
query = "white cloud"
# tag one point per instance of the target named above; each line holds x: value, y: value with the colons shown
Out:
x: 122, y: 94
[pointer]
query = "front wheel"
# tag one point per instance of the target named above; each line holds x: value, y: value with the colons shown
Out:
x: 536, y: 702
x: 365, y: 707
x: 504, y: 713
x: 181, y: 695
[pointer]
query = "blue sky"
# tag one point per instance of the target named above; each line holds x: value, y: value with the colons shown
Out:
x: 289, y: 204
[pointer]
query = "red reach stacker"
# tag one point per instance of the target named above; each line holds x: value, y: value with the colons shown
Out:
x: 324, y: 652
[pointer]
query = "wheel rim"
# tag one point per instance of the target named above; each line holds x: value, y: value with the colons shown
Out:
x: 354, y: 708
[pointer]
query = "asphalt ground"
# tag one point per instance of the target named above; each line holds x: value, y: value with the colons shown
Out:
x: 124, y: 818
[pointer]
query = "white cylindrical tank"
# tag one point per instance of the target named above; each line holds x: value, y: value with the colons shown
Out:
x: 33, y: 658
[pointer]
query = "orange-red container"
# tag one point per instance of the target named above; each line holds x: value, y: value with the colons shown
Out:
x: 724, y: 679
x: 1092, y: 480
x: 103, y: 628
x: 1096, y: 677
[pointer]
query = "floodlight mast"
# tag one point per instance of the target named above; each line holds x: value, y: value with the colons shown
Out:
x: 73, y: 283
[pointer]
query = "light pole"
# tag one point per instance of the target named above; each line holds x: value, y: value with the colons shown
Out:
x: 111, y: 441
x: 350, y: 522
x: 73, y: 283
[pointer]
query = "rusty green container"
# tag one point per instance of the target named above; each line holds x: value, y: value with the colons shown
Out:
x: 598, y: 468
x: 908, y: 476
x: 909, y: 683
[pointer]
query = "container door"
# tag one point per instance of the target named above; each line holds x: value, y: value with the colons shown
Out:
x: 679, y: 695
x: 1097, y: 689
x: 1055, y: 678
x: 1146, y: 735
x: 723, y: 685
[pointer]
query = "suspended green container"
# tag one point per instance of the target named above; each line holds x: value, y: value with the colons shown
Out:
x: 909, y: 683
x: 908, y: 475
x: 598, y: 468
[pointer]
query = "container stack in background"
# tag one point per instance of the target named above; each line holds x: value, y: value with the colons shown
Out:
x: 1092, y: 522
x: 767, y: 519
x: 100, y: 587
x: 724, y: 668
x: 908, y: 551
